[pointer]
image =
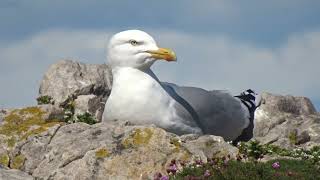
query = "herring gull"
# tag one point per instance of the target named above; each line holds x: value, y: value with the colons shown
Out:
x: 138, y: 96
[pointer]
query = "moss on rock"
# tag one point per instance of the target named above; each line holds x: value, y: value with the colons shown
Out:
x: 11, y: 142
x: 4, y: 159
x: 17, y: 162
x: 19, y: 124
x: 292, y: 136
x: 138, y: 137
x: 102, y: 153
x: 176, y: 143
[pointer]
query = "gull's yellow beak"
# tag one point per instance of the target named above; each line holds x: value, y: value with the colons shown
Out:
x: 163, y: 53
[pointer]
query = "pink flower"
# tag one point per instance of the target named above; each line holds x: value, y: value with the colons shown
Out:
x: 172, y: 168
x: 159, y: 176
x: 276, y: 165
x: 164, y: 178
x: 207, y: 173
x: 199, y: 162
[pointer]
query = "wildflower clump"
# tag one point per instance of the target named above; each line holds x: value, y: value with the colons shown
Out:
x: 276, y: 165
x: 159, y: 176
x: 225, y: 168
x: 294, y: 164
x: 255, y: 150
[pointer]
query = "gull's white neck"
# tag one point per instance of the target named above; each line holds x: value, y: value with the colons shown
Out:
x: 121, y: 72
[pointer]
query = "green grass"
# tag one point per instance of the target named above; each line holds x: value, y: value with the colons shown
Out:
x: 295, y: 163
x: 237, y: 170
x: 255, y: 150
x: 45, y: 100
x: 86, y: 118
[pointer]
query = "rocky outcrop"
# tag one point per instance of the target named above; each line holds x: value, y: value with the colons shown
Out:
x: 287, y: 121
x: 80, y: 151
x: 20, y: 124
x: 37, y: 143
x: 86, y: 86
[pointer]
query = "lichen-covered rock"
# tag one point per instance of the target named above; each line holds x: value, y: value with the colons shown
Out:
x: 20, y: 124
x: 66, y: 80
x: 13, y: 174
x: 80, y: 151
x: 287, y: 121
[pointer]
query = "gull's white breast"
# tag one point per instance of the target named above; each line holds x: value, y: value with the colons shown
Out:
x: 137, y: 97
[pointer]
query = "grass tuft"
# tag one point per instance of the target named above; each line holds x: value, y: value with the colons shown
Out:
x: 86, y: 118
x: 45, y: 100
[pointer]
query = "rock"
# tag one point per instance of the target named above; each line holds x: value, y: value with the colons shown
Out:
x: 33, y: 149
x: 89, y: 103
x: 66, y: 80
x: 81, y: 151
x: 287, y: 121
x: 13, y: 174
x: 20, y: 124
x: 303, y: 138
x: 52, y: 112
x: 287, y: 104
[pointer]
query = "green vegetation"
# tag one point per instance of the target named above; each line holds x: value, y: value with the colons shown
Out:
x: 253, y: 149
x: 45, y: 100
x: 86, y: 118
x: 288, y: 169
x: 293, y: 164
x: 69, y: 112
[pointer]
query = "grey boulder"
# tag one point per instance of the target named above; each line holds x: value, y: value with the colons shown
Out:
x: 88, y: 84
x: 113, y: 151
x: 287, y: 121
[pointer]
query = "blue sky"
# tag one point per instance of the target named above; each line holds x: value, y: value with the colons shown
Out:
x: 269, y: 46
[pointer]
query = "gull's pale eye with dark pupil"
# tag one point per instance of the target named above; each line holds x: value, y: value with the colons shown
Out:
x: 133, y: 42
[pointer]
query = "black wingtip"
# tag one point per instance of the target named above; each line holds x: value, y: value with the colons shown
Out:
x: 251, y: 100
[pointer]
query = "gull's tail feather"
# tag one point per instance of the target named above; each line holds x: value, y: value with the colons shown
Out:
x: 251, y: 100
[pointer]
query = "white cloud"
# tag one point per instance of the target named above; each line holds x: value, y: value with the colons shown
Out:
x: 24, y: 62
x: 209, y: 61
x: 220, y: 62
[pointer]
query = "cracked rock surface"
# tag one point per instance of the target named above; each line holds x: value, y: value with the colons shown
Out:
x: 111, y: 151
x: 67, y: 81
x: 287, y: 121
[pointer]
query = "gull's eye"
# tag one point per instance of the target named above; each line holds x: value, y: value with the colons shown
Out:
x: 133, y: 42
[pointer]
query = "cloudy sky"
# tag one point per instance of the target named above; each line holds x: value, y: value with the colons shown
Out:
x: 271, y: 46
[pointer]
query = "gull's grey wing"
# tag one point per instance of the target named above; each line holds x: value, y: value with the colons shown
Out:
x: 215, y: 112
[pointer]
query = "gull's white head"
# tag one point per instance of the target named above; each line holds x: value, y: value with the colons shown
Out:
x: 137, y: 49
